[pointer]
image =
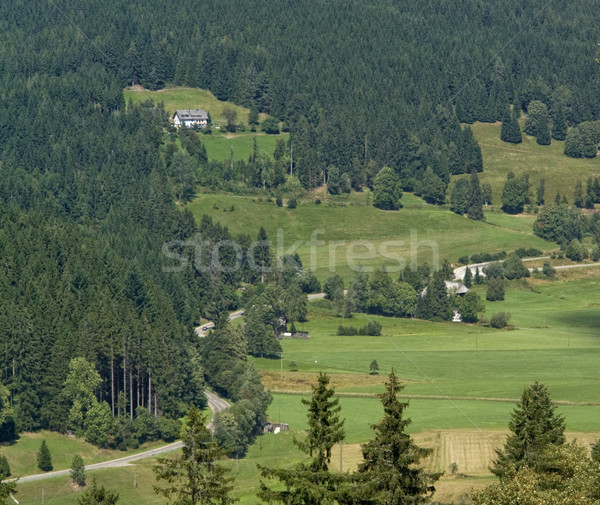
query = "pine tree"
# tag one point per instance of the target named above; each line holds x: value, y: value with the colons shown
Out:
x: 390, y: 471
x: 44, y: 458
x: 311, y: 483
x: 194, y: 477
x: 475, y: 200
x: 534, y: 426
x: 78, y: 470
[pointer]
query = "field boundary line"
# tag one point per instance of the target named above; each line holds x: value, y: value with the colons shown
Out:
x: 342, y: 394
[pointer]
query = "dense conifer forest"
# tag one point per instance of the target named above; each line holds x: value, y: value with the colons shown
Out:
x: 86, y: 199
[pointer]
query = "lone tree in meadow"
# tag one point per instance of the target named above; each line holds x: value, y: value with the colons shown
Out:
x: 374, y: 367
x: 535, y: 426
x: 78, y: 470
x: 386, y: 190
x: 390, y: 472
x: 311, y: 483
x: 44, y: 458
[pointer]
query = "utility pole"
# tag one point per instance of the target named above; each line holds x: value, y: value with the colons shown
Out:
x: 341, y: 459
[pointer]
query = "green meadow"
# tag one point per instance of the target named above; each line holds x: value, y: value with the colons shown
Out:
x: 176, y: 98
x: 343, y: 233
x: 560, y: 172
x: 221, y: 147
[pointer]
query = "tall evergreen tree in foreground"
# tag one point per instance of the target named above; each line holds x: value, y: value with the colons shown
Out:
x: 194, y: 477
x: 390, y: 473
x: 312, y: 483
x: 534, y: 426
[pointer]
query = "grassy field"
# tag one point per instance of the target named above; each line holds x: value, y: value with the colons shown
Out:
x: 176, y: 98
x: 221, y: 147
x: 22, y: 454
x: 560, y: 171
x: 352, y: 232
x: 468, y: 377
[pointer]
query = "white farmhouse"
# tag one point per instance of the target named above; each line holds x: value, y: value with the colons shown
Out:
x: 190, y: 118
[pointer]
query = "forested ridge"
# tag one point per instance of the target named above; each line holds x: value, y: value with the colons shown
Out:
x: 86, y: 198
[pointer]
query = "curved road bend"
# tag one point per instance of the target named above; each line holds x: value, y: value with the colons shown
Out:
x: 216, y: 403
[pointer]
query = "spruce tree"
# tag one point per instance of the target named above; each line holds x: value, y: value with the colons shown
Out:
x: 477, y: 278
x: 311, y: 483
x: 78, y: 470
x: 435, y: 304
x: 535, y: 426
x: 475, y: 211
x: 468, y: 279
x: 541, y: 189
x: 193, y: 477
x: 511, y: 131
x: 505, y: 130
x: 578, y: 195
x: 390, y: 471
x: 559, y: 122
x: 543, y: 136
x: 44, y: 458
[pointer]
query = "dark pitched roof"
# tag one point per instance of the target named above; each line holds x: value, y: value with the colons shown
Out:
x: 191, y: 114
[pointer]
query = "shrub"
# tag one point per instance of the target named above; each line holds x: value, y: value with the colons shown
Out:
x: 347, y: 330
x: 548, y: 269
x: 318, y: 201
x: 279, y: 202
x: 463, y: 260
x: 4, y: 467
x: 500, y: 320
x: 532, y: 252
x: 292, y: 203
x: 494, y: 270
x: 373, y: 329
x: 595, y: 253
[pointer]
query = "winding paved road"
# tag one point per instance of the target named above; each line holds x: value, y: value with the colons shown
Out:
x: 201, y: 331
x: 216, y: 403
